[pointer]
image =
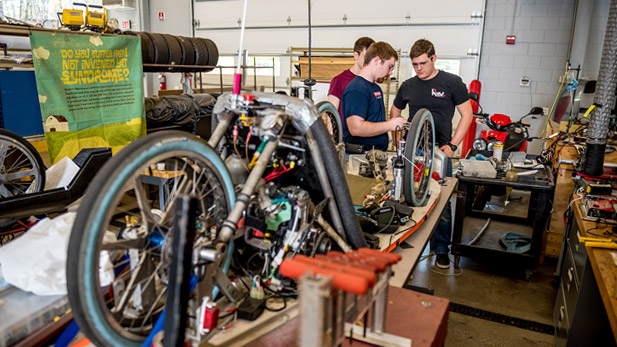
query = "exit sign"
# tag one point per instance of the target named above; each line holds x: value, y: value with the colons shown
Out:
x: 126, y: 24
x: 161, y: 15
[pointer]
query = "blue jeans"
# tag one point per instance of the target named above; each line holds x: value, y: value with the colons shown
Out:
x: 443, y: 233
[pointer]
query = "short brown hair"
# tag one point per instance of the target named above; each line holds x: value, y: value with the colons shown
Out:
x: 380, y: 49
x: 420, y: 47
x: 362, y: 44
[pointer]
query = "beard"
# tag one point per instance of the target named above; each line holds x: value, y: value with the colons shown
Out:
x: 381, y: 79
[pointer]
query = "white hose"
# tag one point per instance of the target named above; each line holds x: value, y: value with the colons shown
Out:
x: 328, y: 229
x: 243, y: 24
x: 475, y: 238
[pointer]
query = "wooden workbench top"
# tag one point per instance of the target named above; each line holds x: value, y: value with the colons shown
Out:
x: 604, y: 270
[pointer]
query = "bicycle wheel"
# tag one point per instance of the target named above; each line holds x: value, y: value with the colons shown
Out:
x: 118, y: 253
x: 330, y: 116
x: 419, y: 151
x: 21, y: 168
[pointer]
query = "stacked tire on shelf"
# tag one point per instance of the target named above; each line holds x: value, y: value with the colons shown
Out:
x: 172, y: 50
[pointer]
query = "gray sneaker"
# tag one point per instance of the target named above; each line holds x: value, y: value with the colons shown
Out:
x: 443, y: 261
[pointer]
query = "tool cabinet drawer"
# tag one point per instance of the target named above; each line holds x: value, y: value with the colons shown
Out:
x: 570, y: 283
x: 579, y: 252
x: 560, y: 319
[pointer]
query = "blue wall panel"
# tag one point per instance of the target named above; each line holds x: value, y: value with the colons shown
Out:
x: 21, y: 112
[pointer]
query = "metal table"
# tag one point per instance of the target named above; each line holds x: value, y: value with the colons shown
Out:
x: 468, y: 221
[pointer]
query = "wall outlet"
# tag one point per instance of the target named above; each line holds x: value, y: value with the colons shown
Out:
x: 545, y: 110
x: 525, y: 81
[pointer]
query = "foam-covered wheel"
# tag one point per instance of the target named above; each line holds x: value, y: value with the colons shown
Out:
x: 213, y: 52
x: 161, y: 51
x: 188, y: 51
x: 201, y: 51
x: 175, y: 51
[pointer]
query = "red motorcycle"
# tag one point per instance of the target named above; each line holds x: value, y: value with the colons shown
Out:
x: 513, y: 135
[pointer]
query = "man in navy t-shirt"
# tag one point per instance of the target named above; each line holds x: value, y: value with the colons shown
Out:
x: 363, y: 107
x: 340, y: 81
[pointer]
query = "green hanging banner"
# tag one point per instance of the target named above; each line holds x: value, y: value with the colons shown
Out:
x: 90, y: 90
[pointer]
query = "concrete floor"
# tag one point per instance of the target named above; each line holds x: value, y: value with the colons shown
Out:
x: 496, y: 288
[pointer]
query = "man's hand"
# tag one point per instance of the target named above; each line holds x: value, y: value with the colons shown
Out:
x: 395, y: 122
x: 447, y: 150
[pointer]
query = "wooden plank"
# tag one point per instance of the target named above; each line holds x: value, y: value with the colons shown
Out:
x: 325, y: 67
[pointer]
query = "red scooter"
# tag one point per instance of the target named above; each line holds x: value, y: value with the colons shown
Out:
x: 513, y: 135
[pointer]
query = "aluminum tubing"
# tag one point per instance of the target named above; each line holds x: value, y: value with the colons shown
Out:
x: 339, y: 187
x: 604, y: 98
x: 229, y: 226
x: 220, y: 128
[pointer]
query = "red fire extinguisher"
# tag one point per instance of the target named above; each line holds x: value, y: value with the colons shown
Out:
x: 162, y: 82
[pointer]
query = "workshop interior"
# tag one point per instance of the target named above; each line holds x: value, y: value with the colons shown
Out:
x: 308, y: 173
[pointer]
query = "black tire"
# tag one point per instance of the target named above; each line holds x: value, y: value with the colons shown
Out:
x: 147, y: 48
x: 419, y: 149
x: 161, y: 51
x: 20, y: 159
x: 198, y: 170
x: 175, y: 51
x: 201, y: 51
x: 188, y: 51
x: 333, y: 124
x: 213, y: 52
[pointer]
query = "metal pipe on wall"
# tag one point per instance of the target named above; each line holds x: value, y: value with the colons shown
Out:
x: 321, y: 26
x: 604, y: 98
x: 580, y: 34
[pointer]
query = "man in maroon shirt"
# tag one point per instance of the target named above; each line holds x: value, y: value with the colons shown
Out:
x: 340, y: 81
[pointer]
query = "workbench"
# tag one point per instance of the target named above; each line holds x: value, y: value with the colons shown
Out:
x: 405, y: 306
x: 537, y: 189
x: 586, y: 306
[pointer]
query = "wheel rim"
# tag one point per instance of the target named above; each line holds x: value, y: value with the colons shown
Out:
x: 419, y: 152
x: 142, y: 269
x: 20, y: 173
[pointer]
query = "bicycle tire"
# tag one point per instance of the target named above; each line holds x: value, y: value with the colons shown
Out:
x: 421, y: 129
x: 94, y: 218
x: 16, y: 148
x: 334, y: 120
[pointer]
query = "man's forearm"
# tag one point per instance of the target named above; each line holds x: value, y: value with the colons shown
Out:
x: 466, y: 118
x: 334, y: 100
x: 362, y: 128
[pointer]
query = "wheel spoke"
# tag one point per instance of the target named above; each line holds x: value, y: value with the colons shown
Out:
x: 17, y: 162
x: 138, y: 243
x: 144, y: 205
x: 5, y: 193
x: 4, y: 147
x: 14, y: 176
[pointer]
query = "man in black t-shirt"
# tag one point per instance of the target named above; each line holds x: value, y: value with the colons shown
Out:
x: 439, y: 92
